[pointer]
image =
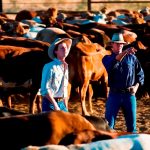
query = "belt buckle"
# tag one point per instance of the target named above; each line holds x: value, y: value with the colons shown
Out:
x: 58, y: 99
x: 124, y: 90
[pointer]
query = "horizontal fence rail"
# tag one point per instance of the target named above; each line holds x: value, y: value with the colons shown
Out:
x: 112, y: 2
x: 15, y: 6
x: 119, y: 1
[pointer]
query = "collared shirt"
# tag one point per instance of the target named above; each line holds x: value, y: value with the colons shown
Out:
x: 123, y: 74
x: 55, y: 79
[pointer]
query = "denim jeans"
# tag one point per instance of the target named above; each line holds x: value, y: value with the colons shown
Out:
x: 48, y: 106
x: 127, y: 102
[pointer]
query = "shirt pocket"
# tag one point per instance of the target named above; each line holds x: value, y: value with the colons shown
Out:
x: 57, y: 79
x: 129, y: 68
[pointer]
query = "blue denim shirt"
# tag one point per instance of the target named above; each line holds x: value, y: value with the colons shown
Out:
x: 123, y: 74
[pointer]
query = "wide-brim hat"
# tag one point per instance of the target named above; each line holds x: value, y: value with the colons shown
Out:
x: 51, y: 48
x: 117, y: 38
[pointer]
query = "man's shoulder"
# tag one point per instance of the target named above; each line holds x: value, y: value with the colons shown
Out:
x: 49, y: 64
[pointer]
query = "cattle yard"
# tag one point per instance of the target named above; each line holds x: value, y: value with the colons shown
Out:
x: 33, y: 52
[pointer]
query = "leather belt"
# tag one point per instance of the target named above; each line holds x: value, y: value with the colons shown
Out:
x: 115, y: 90
x: 58, y: 99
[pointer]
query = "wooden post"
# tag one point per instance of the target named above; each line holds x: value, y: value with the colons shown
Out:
x: 89, y: 5
x: 1, y: 8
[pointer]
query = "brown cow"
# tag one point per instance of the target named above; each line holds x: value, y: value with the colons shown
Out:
x: 85, y: 65
x: 19, y: 64
x: 25, y: 14
x: 40, y: 129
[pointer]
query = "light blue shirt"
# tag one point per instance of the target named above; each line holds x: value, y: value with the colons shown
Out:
x: 54, y: 79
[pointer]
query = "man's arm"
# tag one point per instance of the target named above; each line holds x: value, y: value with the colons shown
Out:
x: 130, y: 50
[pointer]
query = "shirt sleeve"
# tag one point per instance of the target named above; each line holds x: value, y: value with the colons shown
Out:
x: 46, y: 79
x: 139, y: 73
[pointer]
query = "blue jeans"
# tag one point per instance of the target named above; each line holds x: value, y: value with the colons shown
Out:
x: 127, y: 102
x: 48, y: 106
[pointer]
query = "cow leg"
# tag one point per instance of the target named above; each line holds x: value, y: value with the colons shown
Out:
x: 9, y: 101
x: 83, y: 97
x: 106, y: 89
x: 69, y: 93
x: 90, y: 95
x: 105, y: 83
x: 32, y: 103
x: 1, y: 103
x: 39, y: 103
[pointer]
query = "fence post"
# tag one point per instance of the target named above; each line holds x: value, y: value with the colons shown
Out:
x: 89, y: 5
x: 1, y: 8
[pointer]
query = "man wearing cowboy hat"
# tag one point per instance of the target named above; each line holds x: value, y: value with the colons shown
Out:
x: 124, y: 77
x: 55, y: 76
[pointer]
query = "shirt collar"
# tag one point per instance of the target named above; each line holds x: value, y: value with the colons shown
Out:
x: 57, y: 61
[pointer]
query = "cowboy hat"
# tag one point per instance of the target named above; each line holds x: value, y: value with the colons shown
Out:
x: 117, y: 38
x: 51, y: 48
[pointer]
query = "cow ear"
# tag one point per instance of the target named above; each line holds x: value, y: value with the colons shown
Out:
x: 141, y: 46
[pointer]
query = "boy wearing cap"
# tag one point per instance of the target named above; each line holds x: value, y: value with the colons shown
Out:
x: 124, y: 77
x: 55, y: 76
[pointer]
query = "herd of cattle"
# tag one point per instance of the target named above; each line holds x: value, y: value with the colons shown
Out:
x: 22, y: 57
x: 24, y: 42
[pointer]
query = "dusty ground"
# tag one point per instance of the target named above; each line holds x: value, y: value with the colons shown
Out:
x: 143, y: 112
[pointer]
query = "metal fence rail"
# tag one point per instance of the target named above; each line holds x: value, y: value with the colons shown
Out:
x: 87, y: 4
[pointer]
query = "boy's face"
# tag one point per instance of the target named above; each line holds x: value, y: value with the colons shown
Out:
x: 62, y: 51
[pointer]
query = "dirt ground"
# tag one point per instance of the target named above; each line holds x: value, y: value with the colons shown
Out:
x: 143, y: 112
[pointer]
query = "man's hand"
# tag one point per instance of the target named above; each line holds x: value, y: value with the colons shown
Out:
x: 131, y: 50
x: 133, y: 89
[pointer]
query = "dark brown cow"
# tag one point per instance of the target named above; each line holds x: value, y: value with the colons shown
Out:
x: 40, y: 129
x: 13, y: 28
x: 99, y: 123
x: 144, y: 58
x: 25, y: 14
x: 98, y: 36
x: 20, y: 64
x: 85, y: 65
x: 23, y: 42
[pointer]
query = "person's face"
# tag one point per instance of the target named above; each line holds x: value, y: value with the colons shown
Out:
x: 117, y: 47
x: 62, y: 51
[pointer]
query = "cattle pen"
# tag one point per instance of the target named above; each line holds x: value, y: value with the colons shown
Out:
x: 14, y: 7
